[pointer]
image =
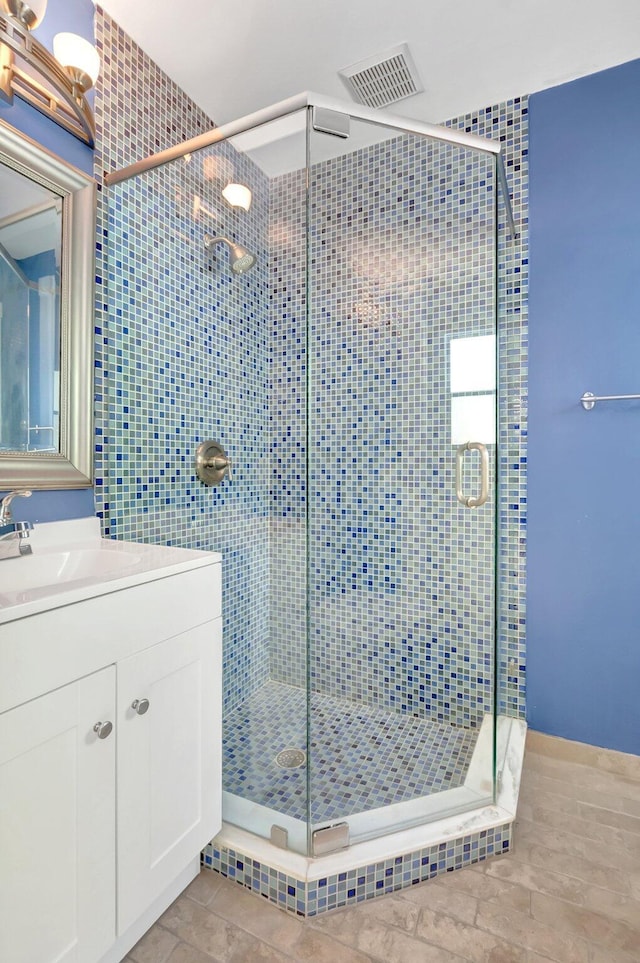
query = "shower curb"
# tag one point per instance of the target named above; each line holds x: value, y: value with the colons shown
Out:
x: 309, y: 898
x: 308, y: 887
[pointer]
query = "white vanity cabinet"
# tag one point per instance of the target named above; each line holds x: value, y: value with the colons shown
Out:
x: 57, y: 825
x: 110, y: 756
x: 169, y: 781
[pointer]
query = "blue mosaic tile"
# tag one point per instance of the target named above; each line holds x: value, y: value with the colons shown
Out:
x: 182, y: 348
x: 360, y: 758
x: 400, y: 602
x: 508, y: 122
x: 387, y: 629
x: 314, y: 897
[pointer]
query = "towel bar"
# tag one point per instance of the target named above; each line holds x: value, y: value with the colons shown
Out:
x: 588, y: 400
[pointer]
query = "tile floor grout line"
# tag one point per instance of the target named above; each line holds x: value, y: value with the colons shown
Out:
x: 574, y: 790
x: 528, y: 947
x: 576, y: 879
x: 596, y: 771
x: 620, y: 851
x: 563, y: 876
x: 230, y: 923
x: 592, y: 913
x: 546, y: 806
x: 262, y: 939
x: 577, y: 835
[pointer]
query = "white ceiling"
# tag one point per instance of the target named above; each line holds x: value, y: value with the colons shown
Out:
x: 234, y: 58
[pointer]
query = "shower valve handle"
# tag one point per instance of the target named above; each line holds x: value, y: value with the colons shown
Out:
x: 219, y: 463
x: 212, y: 463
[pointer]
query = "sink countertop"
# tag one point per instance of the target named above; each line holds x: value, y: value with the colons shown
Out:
x: 118, y: 565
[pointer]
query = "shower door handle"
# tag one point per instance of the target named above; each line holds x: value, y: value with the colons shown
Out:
x: 473, y: 501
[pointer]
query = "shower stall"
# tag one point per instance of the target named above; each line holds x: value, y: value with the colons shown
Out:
x: 340, y: 343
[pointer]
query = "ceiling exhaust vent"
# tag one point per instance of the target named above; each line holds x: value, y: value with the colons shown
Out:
x: 384, y: 79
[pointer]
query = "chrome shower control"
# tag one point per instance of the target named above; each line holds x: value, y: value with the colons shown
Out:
x: 212, y: 463
x: 103, y: 729
x: 140, y: 706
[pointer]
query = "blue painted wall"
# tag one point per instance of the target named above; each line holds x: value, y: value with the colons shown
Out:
x: 75, y: 16
x: 583, y: 644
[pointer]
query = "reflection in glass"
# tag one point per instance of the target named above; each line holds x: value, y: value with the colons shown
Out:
x: 30, y: 250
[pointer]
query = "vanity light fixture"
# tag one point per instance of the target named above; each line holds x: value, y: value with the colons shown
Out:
x: 237, y: 195
x: 55, y: 84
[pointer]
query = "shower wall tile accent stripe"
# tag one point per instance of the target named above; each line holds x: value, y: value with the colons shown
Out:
x: 313, y: 897
x: 181, y: 347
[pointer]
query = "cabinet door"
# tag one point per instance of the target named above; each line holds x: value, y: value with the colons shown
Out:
x: 57, y: 825
x: 169, y: 763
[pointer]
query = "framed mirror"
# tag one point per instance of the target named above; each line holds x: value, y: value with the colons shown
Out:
x: 47, y: 244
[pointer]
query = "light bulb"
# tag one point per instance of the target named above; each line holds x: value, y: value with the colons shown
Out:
x: 29, y: 14
x: 79, y: 58
x: 237, y: 195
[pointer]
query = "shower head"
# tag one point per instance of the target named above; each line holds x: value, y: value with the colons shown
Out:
x: 240, y: 259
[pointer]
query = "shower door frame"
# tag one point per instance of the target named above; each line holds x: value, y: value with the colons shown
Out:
x: 404, y: 125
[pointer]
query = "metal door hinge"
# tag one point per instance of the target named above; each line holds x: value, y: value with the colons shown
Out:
x: 330, y: 838
x: 331, y: 122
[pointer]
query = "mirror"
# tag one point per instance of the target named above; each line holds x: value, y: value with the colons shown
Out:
x: 47, y: 238
x: 30, y: 250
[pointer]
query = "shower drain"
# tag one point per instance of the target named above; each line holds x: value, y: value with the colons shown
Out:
x: 291, y: 758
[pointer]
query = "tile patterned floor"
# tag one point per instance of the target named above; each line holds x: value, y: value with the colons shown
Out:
x: 569, y: 893
x: 361, y: 756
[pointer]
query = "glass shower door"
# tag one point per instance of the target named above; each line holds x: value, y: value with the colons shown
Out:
x: 401, y: 476
x: 205, y: 346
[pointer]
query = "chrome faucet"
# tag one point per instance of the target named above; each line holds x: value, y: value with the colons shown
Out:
x: 13, y: 535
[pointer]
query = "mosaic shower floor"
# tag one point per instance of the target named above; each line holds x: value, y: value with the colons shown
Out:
x: 362, y: 757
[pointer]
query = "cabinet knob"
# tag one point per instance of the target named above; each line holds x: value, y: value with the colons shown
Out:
x: 140, y: 706
x: 103, y: 729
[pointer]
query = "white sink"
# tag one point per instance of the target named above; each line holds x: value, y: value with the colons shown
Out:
x: 70, y: 562
x: 53, y: 568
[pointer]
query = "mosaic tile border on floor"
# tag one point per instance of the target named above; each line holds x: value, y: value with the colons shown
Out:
x: 313, y: 897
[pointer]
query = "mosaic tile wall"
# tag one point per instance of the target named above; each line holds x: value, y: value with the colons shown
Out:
x: 509, y: 124
x: 387, y: 628
x: 181, y: 348
x: 314, y: 897
x: 14, y: 358
x: 287, y: 426
x: 184, y: 352
x: 227, y: 361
